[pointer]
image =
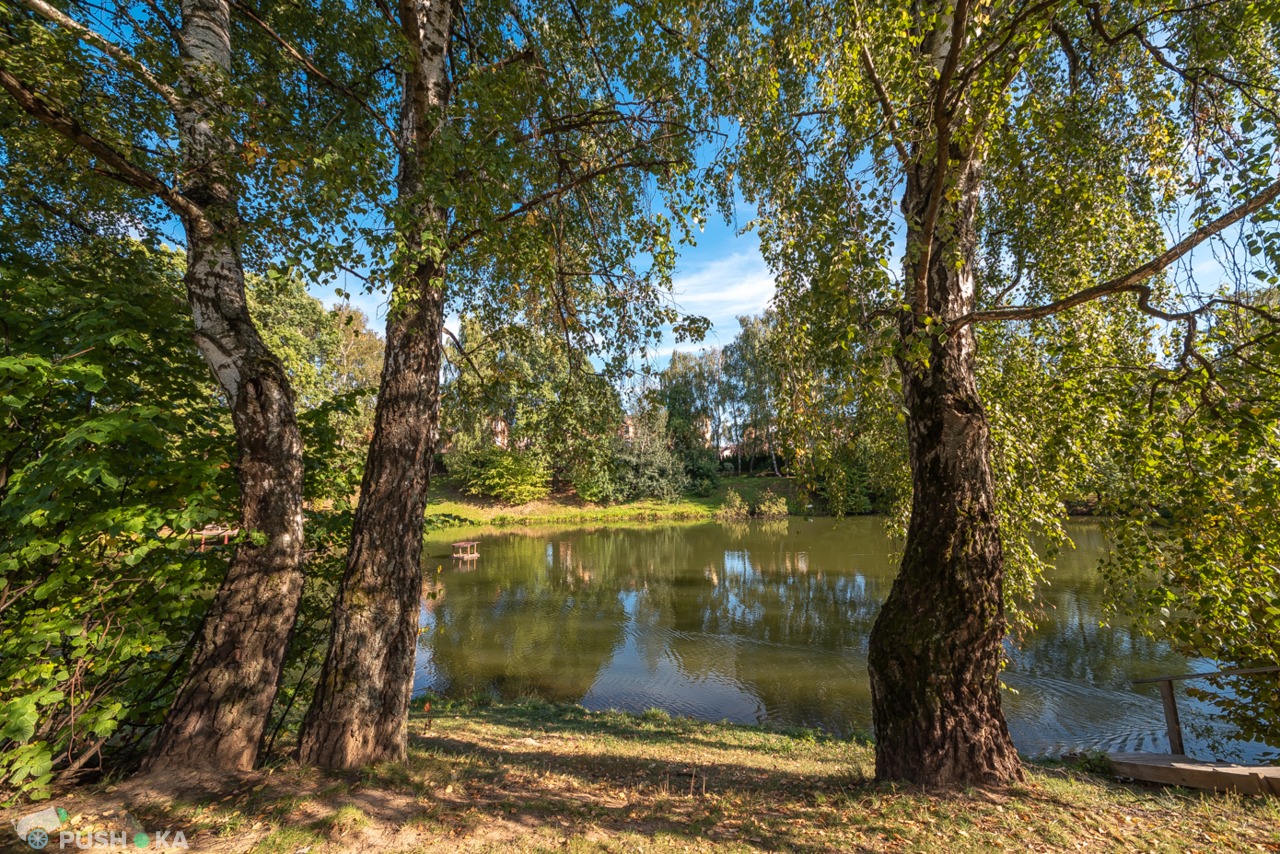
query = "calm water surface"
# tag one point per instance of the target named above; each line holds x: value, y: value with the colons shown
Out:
x: 767, y: 622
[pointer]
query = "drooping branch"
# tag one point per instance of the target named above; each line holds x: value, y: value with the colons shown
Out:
x: 556, y: 192
x: 1009, y: 32
x: 108, y: 47
x: 882, y: 94
x: 1135, y: 280
x: 886, y: 105
x: 311, y: 68
x: 121, y: 167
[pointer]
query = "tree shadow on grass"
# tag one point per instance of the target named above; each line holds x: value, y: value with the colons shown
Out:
x: 537, y: 775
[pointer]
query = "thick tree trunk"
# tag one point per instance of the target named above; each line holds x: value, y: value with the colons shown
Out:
x: 935, y: 651
x: 220, y: 713
x: 360, y: 711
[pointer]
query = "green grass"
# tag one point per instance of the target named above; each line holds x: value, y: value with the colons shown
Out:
x: 532, y: 776
x: 448, y: 508
x: 343, y: 821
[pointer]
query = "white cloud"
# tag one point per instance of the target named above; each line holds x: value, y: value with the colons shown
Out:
x: 723, y: 288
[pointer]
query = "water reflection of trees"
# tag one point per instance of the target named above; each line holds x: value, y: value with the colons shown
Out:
x: 545, y: 614
x: 516, y: 626
x: 783, y: 612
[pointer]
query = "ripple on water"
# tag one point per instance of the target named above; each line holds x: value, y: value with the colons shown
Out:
x: 730, y: 623
x: 1050, y: 717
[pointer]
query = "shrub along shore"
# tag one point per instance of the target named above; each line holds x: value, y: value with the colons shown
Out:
x: 449, y: 507
x: 530, y: 776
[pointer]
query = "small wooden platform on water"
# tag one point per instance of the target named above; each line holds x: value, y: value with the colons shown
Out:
x: 1195, y: 774
x: 466, y: 550
x: 1177, y: 769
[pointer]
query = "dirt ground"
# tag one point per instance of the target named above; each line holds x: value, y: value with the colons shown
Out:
x: 538, y: 777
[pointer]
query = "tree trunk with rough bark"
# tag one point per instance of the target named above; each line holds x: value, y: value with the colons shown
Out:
x: 220, y: 713
x: 359, y: 715
x: 935, y: 652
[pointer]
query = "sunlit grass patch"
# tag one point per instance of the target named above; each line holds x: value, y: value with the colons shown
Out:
x: 288, y: 840
x: 343, y: 821
x: 537, y: 776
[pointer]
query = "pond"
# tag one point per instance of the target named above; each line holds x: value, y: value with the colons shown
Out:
x: 768, y: 623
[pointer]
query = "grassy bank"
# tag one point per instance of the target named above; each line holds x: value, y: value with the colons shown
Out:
x: 536, y: 777
x: 446, y: 506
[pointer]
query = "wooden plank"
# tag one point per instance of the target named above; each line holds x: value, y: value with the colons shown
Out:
x: 1171, y: 723
x: 1229, y: 672
x: 1195, y: 774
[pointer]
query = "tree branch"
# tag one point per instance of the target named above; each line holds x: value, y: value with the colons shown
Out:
x: 556, y: 192
x: 463, y: 351
x: 108, y: 47
x: 523, y: 55
x: 882, y: 94
x: 310, y: 67
x: 122, y: 168
x: 885, y: 104
x: 1134, y: 280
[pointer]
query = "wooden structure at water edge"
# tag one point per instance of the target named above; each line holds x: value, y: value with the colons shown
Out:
x: 466, y: 550
x: 1196, y: 774
x: 1177, y: 769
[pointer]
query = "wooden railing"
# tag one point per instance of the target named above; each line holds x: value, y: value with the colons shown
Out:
x: 1171, y: 722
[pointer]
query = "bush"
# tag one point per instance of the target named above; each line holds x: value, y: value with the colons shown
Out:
x: 512, y: 477
x: 596, y: 479
x: 650, y: 471
x: 702, y: 469
x: 771, y: 506
x: 123, y: 454
x: 734, y: 508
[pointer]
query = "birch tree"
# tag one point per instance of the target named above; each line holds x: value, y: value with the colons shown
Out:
x: 531, y: 142
x: 143, y: 96
x: 1088, y: 150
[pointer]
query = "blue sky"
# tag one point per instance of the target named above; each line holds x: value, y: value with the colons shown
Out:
x: 720, y: 278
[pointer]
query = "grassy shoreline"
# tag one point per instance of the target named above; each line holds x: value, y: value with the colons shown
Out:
x: 531, y: 776
x: 447, y: 507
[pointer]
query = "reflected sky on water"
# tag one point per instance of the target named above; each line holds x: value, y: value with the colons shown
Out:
x: 767, y: 622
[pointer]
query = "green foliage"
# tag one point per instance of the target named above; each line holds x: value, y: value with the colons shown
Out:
x: 838, y: 473
x: 1196, y: 480
x: 510, y: 476
x: 115, y: 452
x: 693, y: 389
x: 768, y: 506
x: 1035, y: 378
x: 734, y: 509
x: 595, y: 476
x: 751, y: 372
x: 771, y: 506
x: 646, y: 465
x: 702, y: 470
x: 334, y: 363
x: 517, y: 386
